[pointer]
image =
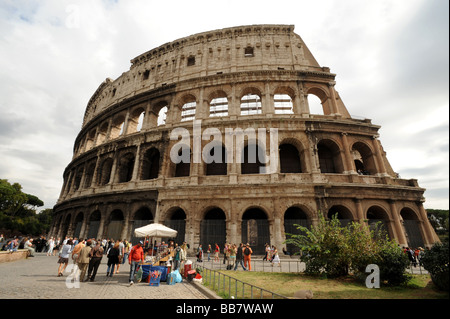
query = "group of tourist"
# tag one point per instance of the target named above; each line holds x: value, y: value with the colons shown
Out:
x: 234, y: 255
x: 88, y: 253
x: 414, y: 255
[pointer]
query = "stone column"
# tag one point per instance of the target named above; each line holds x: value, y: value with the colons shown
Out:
x: 398, y: 227
x: 378, y: 156
x: 359, y: 210
x: 333, y: 104
x: 427, y: 229
x: 348, y: 167
x: 137, y: 160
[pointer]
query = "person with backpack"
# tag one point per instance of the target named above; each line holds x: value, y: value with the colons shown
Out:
x: 248, y: 256
x: 240, y: 257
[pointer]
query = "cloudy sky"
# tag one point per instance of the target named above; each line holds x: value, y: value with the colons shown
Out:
x: 391, y: 58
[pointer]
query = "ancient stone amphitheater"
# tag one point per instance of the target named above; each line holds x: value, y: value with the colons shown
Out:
x: 212, y: 135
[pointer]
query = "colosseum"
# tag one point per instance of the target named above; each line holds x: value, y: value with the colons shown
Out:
x: 213, y: 135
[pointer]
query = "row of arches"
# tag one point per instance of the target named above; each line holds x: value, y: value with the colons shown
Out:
x: 189, y: 107
x: 147, y: 162
x: 256, y: 225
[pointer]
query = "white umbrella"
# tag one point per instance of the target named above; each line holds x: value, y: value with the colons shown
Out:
x: 155, y: 230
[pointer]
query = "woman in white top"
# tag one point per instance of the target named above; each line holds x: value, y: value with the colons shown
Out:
x: 276, y: 258
x: 64, y: 257
x: 51, y: 245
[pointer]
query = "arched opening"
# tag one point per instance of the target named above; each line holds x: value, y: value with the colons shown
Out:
x: 94, y: 224
x: 105, y: 171
x: 343, y: 214
x: 101, y: 136
x: 213, y: 228
x: 177, y: 221
x: 289, y: 159
x: 77, y: 181
x: 411, y: 225
x: 150, y: 164
x: 378, y: 216
x: 214, y: 167
x: 90, y: 140
x: 251, y: 163
x: 117, y: 127
x: 89, y: 174
x: 251, y: 104
x: 183, y: 168
x: 188, y: 111
x: 363, y: 159
x: 162, y: 116
x: 66, y: 225
x: 283, y: 104
x: 142, y: 217
x: 78, y: 224
x: 126, y: 165
x: 255, y: 229
x: 315, y: 105
x: 329, y: 157
x: 294, y: 217
x: 140, y: 121
x: 115, y: 225
x: 218, y: 107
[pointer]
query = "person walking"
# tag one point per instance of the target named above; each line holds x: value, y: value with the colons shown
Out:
x: 240, y: 257
x: 83, y: 260
x: 216, y: 253
x: 208, y: 251
x: 76, y: 250
x: 232, y: 249
x: 248, y: 256
x: 267, y: 252
x: 51, y: 245
x: 96, y: 255
x: 113, y: 259
x: 64, y: 254
x: 135, y: 257
x: 121, y: 255
x: 275, y: 257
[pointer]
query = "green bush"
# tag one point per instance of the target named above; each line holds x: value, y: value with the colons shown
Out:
x: 435, y: 261
x: 331, y: 250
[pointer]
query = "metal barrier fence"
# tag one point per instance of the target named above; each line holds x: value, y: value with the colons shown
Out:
x: 416, y: 269
x: 232, y: 288
x: 285, y: 265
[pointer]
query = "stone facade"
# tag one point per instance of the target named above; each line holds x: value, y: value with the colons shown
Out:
x: 213, y: 86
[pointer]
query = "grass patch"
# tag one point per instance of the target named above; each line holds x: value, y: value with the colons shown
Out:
x: 286, y: 284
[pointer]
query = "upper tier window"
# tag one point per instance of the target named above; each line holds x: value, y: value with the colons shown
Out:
x: 188, y: 111
x: 248, y: 52
x: 191, y: 61
x: 251, y: 104
x: 218, y: 107
x: 283, y: 104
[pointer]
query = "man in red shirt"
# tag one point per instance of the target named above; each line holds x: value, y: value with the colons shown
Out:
x: 135, y: 257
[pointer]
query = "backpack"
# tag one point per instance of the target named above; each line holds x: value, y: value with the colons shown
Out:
x: 246, y: 251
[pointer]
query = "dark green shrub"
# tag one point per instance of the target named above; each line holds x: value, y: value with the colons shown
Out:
x: 435, y: 261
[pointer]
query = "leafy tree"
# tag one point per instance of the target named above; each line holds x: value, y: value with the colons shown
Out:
x: 11, y: 197
x: 18, y: 211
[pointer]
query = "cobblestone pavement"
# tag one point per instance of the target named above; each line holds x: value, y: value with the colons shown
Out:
x: 36, y: 277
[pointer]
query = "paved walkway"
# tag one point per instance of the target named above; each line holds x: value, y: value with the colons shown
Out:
x: 36, y: 277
